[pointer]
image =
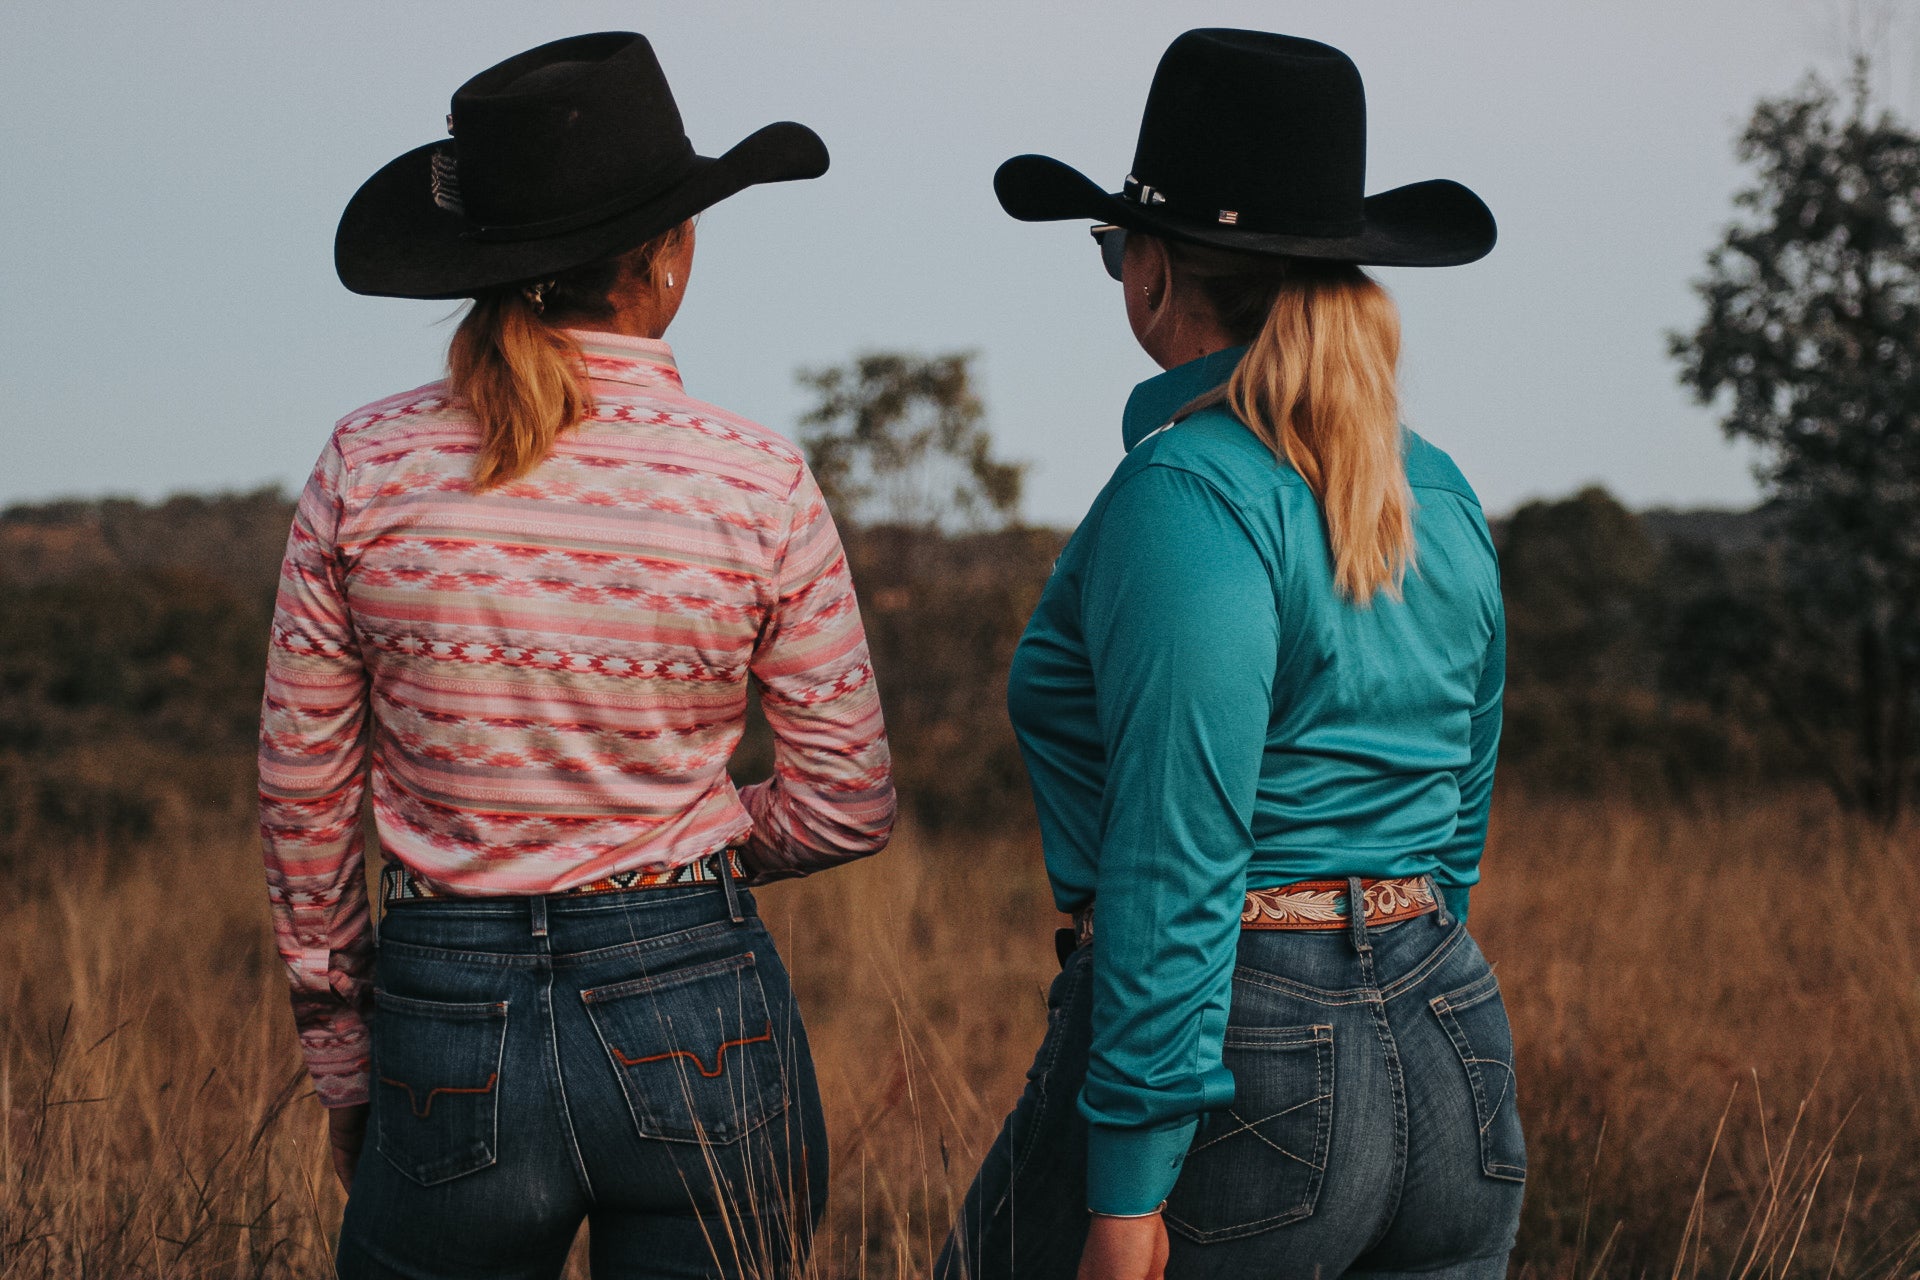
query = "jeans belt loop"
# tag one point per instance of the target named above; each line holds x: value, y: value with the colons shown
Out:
x: 723, y: 864
x: 1357, y: 916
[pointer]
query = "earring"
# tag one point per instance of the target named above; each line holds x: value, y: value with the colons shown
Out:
x: 669, y: 279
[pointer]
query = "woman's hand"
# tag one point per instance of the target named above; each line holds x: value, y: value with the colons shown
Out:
x: 346, y: 1133
x: 1125, y: 1249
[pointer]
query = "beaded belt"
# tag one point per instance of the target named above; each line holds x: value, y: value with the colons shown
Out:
x: 1316, y: 904
x: 397, y: 884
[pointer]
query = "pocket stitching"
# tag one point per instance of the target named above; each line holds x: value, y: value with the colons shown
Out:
x: 645, y: 1122
x: 719, y: 1055
x: 1276, y: 1037
x: 1252, y: 1127
x: 1467, y: 997
x: 1322, y: 1047
x: 431, y: 1173
x: 669, y: 942
x: 667, y: 981
x: 413, y: 1102
x: 1446, y: 1008
x: 447, y: 1009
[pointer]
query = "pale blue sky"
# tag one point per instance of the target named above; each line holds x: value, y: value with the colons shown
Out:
x: 170, y: 319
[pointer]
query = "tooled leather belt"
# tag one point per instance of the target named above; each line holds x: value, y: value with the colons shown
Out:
x: 1316, y: 905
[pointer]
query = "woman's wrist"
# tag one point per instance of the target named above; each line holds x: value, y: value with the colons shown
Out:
x: 1124, y: 1217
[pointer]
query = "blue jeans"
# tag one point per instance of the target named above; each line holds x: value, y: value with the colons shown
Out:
x: 1373, y: 1131
x: 632, y: 1059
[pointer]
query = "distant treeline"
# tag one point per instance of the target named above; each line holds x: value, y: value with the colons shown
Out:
x: 132, y: 638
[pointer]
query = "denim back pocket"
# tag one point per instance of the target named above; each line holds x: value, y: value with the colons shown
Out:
x: 1475, y: 1019
x: 695, y: 1050
x: 1258, y: 1165
x: 436, y: 1077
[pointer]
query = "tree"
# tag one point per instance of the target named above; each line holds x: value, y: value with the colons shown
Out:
x: 1811, y: 342
x: 899, y: 439
x: 1578, y: 576
x: 1581, y: 579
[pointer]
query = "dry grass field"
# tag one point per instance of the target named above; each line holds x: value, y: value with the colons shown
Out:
x: 1717, y: 1014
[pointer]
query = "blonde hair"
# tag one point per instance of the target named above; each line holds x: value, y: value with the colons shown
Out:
x: 1319, y: 386
x: 517, y: 371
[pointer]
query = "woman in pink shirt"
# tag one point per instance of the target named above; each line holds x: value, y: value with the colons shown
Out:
x: 524, y: 604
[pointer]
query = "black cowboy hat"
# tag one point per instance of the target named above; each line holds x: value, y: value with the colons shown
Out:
x: 560, y: 156
x: 1258, y: 143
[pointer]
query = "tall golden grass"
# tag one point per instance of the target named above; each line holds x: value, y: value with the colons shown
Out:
x: 1717, y: 1015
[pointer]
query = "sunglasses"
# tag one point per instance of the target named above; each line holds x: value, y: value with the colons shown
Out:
x: 1113, y: 247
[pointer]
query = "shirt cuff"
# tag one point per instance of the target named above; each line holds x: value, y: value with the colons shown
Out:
x: 344, y: 1091
x: 1130, y: 1171
x: 1456, y: 896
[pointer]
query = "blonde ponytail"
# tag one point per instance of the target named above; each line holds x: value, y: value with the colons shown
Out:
x: 1319, y: 386
x: 514, y: 367
x: 520, y: 378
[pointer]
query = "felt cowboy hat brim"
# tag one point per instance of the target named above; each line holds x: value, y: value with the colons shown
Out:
x: 1426, y: 224
x: 395, y: 241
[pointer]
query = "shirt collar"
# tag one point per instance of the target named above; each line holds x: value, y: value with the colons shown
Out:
x: 1155, y: 401
x: 617, y: 357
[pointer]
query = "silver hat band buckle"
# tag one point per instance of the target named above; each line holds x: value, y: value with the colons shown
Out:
x: 1143, y: 193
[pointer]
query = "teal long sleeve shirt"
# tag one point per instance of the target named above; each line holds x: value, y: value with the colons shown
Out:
x: 1201, y: 713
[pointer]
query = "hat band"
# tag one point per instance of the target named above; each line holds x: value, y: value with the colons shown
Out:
x: 1152, y: 197
x: 448, y: 179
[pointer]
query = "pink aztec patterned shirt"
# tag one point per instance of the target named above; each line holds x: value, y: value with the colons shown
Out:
x: 544, y: 682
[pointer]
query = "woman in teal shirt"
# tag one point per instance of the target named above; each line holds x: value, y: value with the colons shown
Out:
x: 1259, y: 703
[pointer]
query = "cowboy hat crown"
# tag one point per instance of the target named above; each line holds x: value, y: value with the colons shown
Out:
x: 1257, y: 142
x: 558, y: 156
